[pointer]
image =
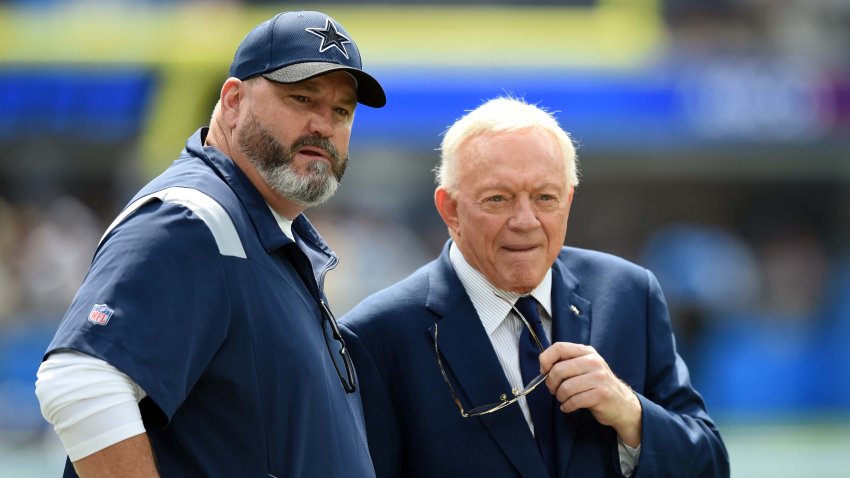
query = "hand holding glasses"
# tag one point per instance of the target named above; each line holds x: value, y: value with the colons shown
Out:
x: 504, y: 400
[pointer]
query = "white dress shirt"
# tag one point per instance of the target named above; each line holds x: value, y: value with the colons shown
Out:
x: 503, y: 327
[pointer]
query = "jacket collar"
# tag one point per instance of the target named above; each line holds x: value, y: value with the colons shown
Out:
x: 270, y: 235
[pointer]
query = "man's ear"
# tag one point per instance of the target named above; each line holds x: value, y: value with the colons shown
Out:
x: 232, y: 94
x: 447, y: 207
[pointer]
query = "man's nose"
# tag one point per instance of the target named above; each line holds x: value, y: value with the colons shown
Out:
x: 524, y: 215
x: 320, y: 124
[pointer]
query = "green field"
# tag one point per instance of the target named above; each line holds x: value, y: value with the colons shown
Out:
x: 776, y: 449
x: 789, y: 450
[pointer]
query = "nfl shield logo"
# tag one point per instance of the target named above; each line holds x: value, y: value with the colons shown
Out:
x: 100, y: 314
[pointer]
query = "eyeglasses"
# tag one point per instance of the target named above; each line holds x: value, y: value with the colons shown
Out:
x: 504, y: 400
x: 348, y: 381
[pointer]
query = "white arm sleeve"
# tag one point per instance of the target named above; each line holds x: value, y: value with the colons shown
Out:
x: 90, y: 403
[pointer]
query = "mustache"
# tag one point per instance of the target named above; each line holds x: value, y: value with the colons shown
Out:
x: 315, y: 142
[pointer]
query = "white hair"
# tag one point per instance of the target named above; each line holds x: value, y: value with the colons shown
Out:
x: 501, y: 115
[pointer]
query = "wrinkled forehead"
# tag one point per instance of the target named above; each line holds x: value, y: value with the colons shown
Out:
x: 507, y: 154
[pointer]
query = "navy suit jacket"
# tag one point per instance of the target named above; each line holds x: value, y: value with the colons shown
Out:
x: 415, y: 429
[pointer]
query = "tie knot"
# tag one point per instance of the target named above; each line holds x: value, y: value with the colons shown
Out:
x: 527, y: 306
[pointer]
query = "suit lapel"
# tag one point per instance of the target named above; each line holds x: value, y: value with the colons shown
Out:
x: 570, y: 323
x: 474, y: 369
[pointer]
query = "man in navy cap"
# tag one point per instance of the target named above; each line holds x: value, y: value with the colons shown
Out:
x: 200, y: 342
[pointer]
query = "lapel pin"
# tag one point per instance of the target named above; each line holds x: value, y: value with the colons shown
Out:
x: 574, y: 310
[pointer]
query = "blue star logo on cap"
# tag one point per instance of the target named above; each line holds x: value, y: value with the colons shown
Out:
x: 331, y: 38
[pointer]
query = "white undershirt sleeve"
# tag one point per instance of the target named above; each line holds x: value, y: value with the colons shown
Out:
x: 90, y: 403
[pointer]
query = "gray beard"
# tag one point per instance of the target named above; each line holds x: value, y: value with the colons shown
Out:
x: 274, y: 164
x: 311, y: 189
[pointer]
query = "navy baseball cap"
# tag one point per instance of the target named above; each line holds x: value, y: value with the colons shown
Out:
x: 296, y: 46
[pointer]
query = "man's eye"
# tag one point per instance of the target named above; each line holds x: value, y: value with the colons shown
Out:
x: 343, y: 112
x: 546, y: 197
x: 301, y: 98
x: 496, y: 198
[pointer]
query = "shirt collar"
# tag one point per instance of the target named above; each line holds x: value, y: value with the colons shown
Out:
x: 491, y: 309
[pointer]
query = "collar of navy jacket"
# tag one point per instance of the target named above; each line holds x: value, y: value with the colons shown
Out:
x: 320, y: 255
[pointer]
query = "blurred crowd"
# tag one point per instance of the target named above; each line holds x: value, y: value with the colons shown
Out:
x: 44, y: 253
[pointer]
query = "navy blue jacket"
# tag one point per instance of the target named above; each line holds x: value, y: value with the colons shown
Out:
x: 415, y: 429
x: 198, y: 296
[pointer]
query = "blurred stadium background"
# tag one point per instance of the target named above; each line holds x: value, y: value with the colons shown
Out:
x: 714, y: 139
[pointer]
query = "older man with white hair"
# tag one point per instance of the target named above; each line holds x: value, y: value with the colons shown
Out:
x: 459, y: 377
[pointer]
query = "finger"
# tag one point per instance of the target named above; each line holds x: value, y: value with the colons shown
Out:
x: 560, y: 351
x: 579, y: 385
x: 586, y: 399
x: 574, y: 367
